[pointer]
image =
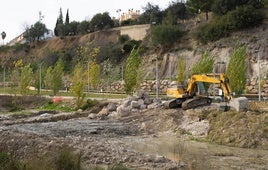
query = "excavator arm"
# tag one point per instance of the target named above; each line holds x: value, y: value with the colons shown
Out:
x: 210, y: 78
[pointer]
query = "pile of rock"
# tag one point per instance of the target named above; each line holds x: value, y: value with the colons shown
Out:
x: 140, y: 101
x: 253, y: 86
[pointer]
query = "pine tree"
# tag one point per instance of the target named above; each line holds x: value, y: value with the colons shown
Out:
x: 67, y: 17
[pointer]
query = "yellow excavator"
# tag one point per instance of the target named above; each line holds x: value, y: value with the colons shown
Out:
x: 192, y: 97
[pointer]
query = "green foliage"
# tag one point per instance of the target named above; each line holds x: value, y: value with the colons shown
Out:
x: 151, y: 14
x: 237, y: 69
x: 68, y: 161
x: 240, y: 18
x: 35, y: 32
x: 222, y: 7
x: 83, y: 27
x: 131, y: 70
x: 129, y: 45
x: 101, y: 21
x: 165, y: 35
x: 181, y: 70
x: 78, y: 84
x: 218, y: 28
x: 9, y: 162
x: 89, y: 104
x: 25, y: 79
x: 205, y: 65
x: 57, y: 107
x: 176, y: 10
x: 123, y: 38
x: 197, y: 6
x: 94, y: 74
x: 53, y: 77
x: 245, y: 17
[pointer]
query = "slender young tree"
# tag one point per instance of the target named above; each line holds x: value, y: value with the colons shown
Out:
x: 181, y: 70
x: 131, y: 71
x: 237, y: 69
x: 53, y: 77
x: 25, y: 79
x: 205, y: 65
x: 78, y: 84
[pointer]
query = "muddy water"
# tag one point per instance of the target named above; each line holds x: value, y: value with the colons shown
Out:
x: 200, y: 155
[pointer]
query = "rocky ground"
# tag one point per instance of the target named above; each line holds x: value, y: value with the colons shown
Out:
x: 154, y: 138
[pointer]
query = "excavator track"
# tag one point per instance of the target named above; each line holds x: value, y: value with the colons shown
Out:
x: 195, y: 102
x: 174, y: 103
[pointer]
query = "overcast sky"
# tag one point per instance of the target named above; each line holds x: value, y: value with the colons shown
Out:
x: 15, y: 15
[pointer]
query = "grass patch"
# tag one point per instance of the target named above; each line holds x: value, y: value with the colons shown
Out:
x: 57, y: 106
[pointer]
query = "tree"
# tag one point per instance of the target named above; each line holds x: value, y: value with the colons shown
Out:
x: 57, y: 76
x: 200, y: 5
x: 176, y: 10
x: 205, y: 65
x: 131, y: 71
x: 181, y: 70
x: 73, y: 28
x: 94, y: 74
x: 25, y: 79
x: 38, y: 77
x: 101, y: 21
x: 58, y: 30
x: 151, y: 14
x: 49, y: 78
x: 67, y: 19
x: 3, y: 35
x: 83, y: 27
x: 222, y: 7
x: 165, y: 35
x: 237, y: 69
x: 35, y: 32
x: 53, y: 77
x: 78, y: 84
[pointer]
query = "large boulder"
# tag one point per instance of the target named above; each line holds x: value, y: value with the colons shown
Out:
x: 239, y: 104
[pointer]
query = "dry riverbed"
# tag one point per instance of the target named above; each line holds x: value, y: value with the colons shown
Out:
x: 145, y: 139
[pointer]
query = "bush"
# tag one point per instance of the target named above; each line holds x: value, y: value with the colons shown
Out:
x: 124, y: 38
x: 68, y: 160
x: 245, y: 17
x: 241, y: 18
x: 166, y: 35
x: 8, y: 162
x: 129, y: 45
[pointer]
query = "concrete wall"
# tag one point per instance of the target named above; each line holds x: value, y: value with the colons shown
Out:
x: 136, y: 32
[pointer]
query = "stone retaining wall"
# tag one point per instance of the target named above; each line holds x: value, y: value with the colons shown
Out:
x: 150, y: 86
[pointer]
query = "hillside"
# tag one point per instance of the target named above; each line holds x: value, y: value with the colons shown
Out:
x: 187, y: 48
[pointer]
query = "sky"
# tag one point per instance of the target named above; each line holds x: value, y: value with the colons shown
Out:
x: 16, y: 15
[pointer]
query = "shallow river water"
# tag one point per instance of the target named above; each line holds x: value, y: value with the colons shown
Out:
x: 200, y: 155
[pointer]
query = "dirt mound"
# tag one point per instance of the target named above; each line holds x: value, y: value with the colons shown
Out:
x: 242, y: 129
x: 10, y: 103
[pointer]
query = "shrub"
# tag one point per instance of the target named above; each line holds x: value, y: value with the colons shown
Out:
x: 124, y: 38
x: 9, y: 162
x: 166, y: 35
x: 245, y: 17
x: 241, y: 18
x: 68, y: 161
